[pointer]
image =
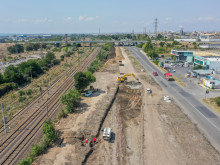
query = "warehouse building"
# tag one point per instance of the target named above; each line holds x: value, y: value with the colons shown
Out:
x: 183, y: 55
x: 210, y: 46
x: 209, y: 62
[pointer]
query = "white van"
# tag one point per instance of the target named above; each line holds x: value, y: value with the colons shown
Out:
x: 107, y: 133
x: 149, y: 90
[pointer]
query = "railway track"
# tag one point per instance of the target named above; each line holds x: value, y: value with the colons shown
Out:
x: 27, y: 108
x: 12, y: 146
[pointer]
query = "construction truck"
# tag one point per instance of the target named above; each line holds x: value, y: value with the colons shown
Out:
x: 123, y: 78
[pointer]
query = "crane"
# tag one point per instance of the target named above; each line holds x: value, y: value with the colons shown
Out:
x: 122, y: 79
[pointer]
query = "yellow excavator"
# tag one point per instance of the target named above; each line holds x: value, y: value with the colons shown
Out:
x: 123, y: 78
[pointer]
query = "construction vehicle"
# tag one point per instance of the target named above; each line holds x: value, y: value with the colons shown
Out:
x: 107, y: 132
x: 123, y: 78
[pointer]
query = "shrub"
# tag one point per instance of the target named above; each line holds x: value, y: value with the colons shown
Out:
x: 14, y: 86
x: 21, y: 99
x: 21, y: 93
x: 49, y: 131
x: 29, y: 92
x: 71, y: 100
x: 218, y: 101
x: 36, y: 150
x: 62, y: 57
x: 62, y: 114
x: 156, y: 62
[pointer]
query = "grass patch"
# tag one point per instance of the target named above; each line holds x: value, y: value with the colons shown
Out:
x: 179, y: 82
x: 213, y: 103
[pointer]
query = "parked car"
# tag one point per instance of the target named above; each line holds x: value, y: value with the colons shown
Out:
x: 172, y: 70
x: 149, y: 91
x: 155, y: 73
x: 88, y: 93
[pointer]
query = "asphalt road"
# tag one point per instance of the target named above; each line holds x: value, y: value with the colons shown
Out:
x: 207, y: 120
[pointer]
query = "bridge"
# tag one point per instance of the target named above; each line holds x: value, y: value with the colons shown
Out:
x: 122, y: 42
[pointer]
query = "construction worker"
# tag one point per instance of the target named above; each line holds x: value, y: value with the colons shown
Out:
x: 94, y: 140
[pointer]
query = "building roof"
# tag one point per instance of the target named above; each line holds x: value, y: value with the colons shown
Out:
x: 181, y: 50
x: 202, y: 72
x: 214, y: 59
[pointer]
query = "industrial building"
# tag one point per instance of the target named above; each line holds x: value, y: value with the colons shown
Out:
x: 209, y: 62
x: 183, y: 55
x: 210, y: 46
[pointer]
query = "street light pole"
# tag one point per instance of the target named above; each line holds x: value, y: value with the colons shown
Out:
x: 4, y: 119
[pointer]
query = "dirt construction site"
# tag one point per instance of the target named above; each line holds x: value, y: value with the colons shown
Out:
x: 146, y: 130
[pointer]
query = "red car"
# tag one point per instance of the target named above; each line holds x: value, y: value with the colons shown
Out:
x: 155, y: 73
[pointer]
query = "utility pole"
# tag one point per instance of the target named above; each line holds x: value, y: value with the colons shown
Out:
x: 99, y: 31
x: 4, y: 119
x: 16, y: 46
x: 144, y: 31
x: 155, y: 27
x: 41, y: 50
x: 66, y: 39
x: 132, y: 33
x: 49, y: 82
x: 47, y: 108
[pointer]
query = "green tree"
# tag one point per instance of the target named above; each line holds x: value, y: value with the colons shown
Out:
x: 1, y: 79
x: 16, y: 48
x: 12, y: 74
x: 71, y: 100
x: 30, y: 68
x: 175, y: 43
x: 147, y: 46
x: 81, y: 81
x: 50, y: 57
x: 152, y: 54
x: 159, y: 37
x: 90, y: 76
x: 162, y: 44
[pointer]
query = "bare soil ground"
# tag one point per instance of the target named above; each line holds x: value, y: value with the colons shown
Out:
x: 146, y: 130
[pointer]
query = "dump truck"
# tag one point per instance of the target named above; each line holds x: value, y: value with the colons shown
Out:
x: 168, y: 76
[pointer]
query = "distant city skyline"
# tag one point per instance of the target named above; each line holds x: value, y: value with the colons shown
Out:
x: 32, y: 17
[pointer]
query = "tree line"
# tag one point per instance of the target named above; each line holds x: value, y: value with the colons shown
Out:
x: 22, y: 73
x: 19, y: 48
x: 82, y: 80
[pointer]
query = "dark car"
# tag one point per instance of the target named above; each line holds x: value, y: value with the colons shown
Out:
x: 155, y: 73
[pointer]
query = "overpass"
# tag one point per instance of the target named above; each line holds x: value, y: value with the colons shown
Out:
x: 94, y: 41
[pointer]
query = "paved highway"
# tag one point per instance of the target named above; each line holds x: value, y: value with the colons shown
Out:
x: 207, y: 120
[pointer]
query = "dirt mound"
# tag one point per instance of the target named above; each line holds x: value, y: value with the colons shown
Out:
x: 133, y: 85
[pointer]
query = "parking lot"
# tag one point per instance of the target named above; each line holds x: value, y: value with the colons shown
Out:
x: 193, y: 84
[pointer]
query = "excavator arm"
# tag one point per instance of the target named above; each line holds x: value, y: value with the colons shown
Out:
x: 122, y: 79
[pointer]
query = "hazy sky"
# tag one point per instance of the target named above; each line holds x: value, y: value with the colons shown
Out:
x: 85, y: 16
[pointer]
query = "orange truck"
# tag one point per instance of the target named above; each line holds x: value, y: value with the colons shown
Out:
x: 168, y: 76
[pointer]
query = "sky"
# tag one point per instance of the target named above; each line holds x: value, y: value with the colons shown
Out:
x: 111, y: 16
